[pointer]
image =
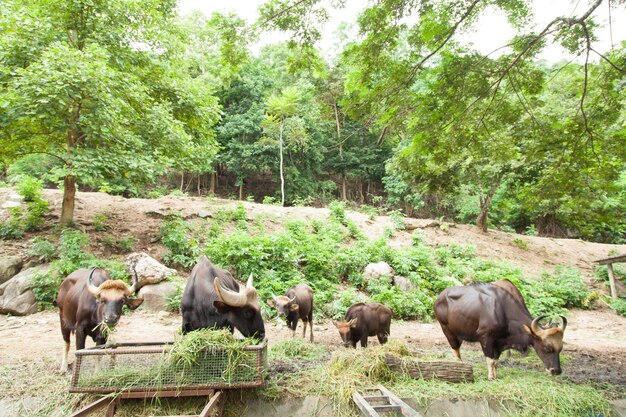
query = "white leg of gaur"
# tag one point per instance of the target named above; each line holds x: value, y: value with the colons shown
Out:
x: 303, y: 329
x: 293, y: 333
x: 492, y: 365
x: 66, y: 349
x: 311, y: 331
x: 457, y: 353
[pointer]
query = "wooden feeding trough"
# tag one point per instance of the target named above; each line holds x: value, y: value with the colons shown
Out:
x: 609, y: 263
x: 148, y: 370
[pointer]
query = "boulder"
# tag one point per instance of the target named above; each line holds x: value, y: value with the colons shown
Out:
x: 149, y: 270
x: 9, y: 267
x: 403, y: 283
x: 619, y: 408
x: 16, y: 295
x: 155, y: 296
x: 376, y: 270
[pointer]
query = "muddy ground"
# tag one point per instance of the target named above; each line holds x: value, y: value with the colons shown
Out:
x: 594, y: 341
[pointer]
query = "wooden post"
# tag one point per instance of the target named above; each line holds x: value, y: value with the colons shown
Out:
x: 612, y: 281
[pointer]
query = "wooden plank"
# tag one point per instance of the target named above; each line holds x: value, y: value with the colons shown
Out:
x: 612, y: 281
x: 96, y: 405
x: 406, y: 409
x: 387, y: 408
x: 213, y: 404
x: 611, y: 259
x: 371, y: 398
x: 365, y: 408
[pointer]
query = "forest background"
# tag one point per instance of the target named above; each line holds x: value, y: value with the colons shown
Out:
x: 132, y: 98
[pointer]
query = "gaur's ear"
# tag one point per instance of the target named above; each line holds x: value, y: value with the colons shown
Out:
x: 294, y: 307
x: 270, y: 303
x: 352, y: 322
x: 221, y: 306
x: 133, y: 303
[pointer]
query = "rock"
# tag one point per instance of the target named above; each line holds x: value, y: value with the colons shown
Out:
x: 619, y: 408
x: 9, y: 267
x: 203, y: 214
x: 155, y: 296
x: 11, y: 204
x: 16, y: 295
x: 376, y: 270
x: 149, y: 270
x: 403, y: 283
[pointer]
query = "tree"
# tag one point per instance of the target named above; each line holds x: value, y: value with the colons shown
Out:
x: 94, y: 84
x: 279, y: 110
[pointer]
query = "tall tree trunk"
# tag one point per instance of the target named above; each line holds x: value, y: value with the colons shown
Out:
x: 67, y: 207
x: 282, y: 178
x: 182, y: 181
x: 344, y: 191
x: 241, y: 191
x: 212, y: 183
x: 485, y: 204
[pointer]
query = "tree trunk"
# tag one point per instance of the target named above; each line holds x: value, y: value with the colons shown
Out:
x: 241, y: 191
x: 344, y: 187
x: 212, y: 183
x: 67, y: 208
x: 282, y: 178
x: 485, y: 204
x: 182, y: 181
x: 344, y: 192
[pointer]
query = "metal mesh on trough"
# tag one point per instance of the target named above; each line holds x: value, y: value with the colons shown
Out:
x: 149, y: 367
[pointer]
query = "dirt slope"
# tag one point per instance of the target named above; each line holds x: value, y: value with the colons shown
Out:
x: 142, y: 218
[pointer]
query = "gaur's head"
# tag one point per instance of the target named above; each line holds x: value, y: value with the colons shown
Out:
x: 242, y: 309
x: 548, y: 343
x: 284, y: 305
x: 345, y: 327
x: 111, y: 296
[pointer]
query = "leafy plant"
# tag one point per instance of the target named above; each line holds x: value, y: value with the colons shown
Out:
x: 175, y: 237
x: 43, y: 249
x: 123, y: 244
x: 520, y: 243
x: 100, y: 222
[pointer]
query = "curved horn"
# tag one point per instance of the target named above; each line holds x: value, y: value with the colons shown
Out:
x: 534, y: 325
x: 92, y: 288
x: 292, y: 300
x: 564, y: 323
x: 135, y: 285
x: 249, y: 283
x: 231, y: 298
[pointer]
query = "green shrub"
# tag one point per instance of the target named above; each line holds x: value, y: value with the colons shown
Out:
x: 100, y: 222
x: 619, y: 305
x: 172, y: 302
x: 34, y: 217
x: 30, y: 188
x: 272, y: 201
x: 397, y: 217
x: 619, y: 271
x: 175, y: 237
x: 43, y: 249
x: 12, y: 227
x: 340, y: 303
x: 124, y: 244
x: 520, y: 243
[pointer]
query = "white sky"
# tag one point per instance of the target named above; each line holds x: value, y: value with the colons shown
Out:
x: 491, y: 32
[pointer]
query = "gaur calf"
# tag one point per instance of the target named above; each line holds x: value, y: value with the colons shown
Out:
x: 296, y: 304
x: 363, y: 320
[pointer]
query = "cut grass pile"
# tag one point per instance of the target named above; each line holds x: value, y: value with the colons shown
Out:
x: 202, y: 357
x: 520, y: 392
x: 297, y: 348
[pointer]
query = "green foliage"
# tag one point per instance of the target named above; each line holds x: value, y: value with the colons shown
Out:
x: 100, y: 222
x: 31, y: 189
x: 619, y: 305
x: 619, y: 271
x: 43, y: 249
x: 172, y: 302
x: 121, y: 244
x: 520, y: 243
x: 175, y: 237
x: 31, y: 219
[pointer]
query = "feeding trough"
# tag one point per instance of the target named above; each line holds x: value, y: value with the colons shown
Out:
x: 161, y: 369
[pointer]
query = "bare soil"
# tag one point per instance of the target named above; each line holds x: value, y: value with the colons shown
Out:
x: 595, y: 340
